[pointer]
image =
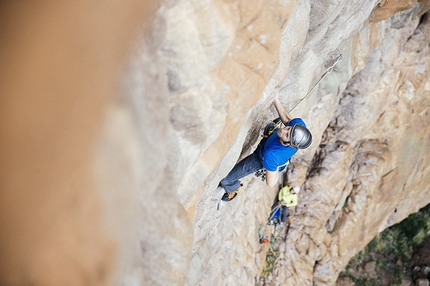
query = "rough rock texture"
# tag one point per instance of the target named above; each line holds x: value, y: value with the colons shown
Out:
x: 60, y: 63
x: 366, y: 168
x: 197, y: 93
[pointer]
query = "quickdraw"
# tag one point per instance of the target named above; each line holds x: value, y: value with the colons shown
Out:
x: 262, y: 235
x: 261, y: 173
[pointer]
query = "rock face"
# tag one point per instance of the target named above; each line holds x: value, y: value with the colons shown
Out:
x: 194, y: 100
x: 367, y: 166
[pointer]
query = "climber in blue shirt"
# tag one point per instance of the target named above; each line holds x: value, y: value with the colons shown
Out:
x: 271, y: 153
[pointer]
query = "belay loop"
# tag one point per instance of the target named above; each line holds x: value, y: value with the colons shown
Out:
x: 268, y: 130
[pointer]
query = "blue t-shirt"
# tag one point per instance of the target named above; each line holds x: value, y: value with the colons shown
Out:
x: 276, y: 154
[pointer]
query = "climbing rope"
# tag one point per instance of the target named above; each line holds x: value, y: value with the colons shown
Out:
x: 273, y: 252
x: 328, y: 71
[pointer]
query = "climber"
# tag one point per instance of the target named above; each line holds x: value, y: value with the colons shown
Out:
x: 271, y: 153
x: 287, y: 197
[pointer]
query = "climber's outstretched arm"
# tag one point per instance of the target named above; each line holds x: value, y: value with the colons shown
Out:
x: 283, y: 113
x: 271, y: 178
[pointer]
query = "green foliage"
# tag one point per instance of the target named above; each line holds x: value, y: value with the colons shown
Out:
x: 393, y: 245
x: 360, y: 281
x: 416, y: 227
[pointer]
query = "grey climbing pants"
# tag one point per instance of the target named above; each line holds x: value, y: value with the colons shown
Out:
x: 248, y: 165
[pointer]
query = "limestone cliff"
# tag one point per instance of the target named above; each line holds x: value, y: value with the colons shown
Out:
x: 219, y: 64
x: 138, y: 206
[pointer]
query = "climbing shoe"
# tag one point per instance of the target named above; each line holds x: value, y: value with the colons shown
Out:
x: 229, y: 196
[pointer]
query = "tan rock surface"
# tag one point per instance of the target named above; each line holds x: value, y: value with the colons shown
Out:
x: 59, y: 65
x: 356, y: 180
x: 195, y: 96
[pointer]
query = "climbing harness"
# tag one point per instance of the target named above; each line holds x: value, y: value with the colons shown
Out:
x: 268, y: 130
x: 328, y: 71
x: 262, y: 172
x: 271, y: 127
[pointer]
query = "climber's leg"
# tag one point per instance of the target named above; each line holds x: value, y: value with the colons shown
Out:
x: 247, y: 166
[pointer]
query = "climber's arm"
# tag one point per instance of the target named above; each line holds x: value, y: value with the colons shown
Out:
x: 271, y: 178
x: 283, y: 113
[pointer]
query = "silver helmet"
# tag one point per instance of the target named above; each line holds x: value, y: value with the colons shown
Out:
x: 301, y: 137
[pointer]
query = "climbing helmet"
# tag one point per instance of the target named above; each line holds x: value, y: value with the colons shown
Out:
x: 301, y: 137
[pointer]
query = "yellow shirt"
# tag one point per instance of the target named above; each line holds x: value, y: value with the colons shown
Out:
x: 289, y: 199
